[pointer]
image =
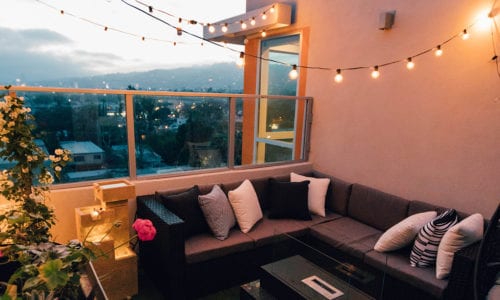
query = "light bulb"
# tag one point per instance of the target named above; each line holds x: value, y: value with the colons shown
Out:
x: 375, y: 73
x: 211, y: 28
x: 263, y: 33
x: 243, y: 25
x: 180, y: 21
x: 338, y: 77
x: 272, y: 9
x: 410, y: 64
x: 224, y: 27
x: 252, y: 22
x: 465, y: 35
x: 264, y: 16
x: 241, y: 60
x: 179, y: 31
x: 293, y: 73
x: 438, y: 51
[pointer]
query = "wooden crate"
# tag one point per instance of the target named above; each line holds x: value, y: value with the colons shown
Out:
x: 114, y: 190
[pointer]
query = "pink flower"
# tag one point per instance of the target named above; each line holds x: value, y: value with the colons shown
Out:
x: 145, y: 229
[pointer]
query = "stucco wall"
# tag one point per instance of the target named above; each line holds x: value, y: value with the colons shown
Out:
x: 430, y: 134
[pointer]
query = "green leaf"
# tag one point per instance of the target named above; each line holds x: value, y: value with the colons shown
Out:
x: 53, y: 275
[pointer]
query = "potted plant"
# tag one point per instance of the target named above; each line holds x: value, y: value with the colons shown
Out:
x: 42, y: 268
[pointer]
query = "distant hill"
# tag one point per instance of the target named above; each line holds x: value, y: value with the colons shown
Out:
x: 219, y: 77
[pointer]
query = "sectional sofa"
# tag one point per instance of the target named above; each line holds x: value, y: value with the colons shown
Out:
x: 188, y: 265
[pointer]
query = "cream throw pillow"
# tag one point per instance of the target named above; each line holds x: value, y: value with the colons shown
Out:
x: 404, y: 232
x: 318, y: 187
x: 463, y: 234
x: 245, y: 205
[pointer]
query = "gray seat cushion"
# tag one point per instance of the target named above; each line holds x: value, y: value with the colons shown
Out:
x: 397, y: 264
x: 266, y: 230
x: 347, y: 235
x: 202, y: 247
x: 376, y: 208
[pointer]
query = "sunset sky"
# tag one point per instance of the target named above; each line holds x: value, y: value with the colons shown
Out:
x: 38, y: 42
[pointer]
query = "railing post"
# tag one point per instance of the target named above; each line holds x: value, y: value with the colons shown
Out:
x: 232, y: 133
x: 129, y: 109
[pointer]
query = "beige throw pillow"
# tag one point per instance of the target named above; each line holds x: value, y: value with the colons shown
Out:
x: 404, y: 232
x: 245, y: 205
x: 318, y: 187
x: 463, y: 234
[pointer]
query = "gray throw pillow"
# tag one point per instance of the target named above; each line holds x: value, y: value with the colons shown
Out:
x: 218, y: 212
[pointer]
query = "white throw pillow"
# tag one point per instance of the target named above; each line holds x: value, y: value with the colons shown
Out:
x: 318, y: 187
x: 463, y: 234
x: 245, y: 205
x: 404, y: 232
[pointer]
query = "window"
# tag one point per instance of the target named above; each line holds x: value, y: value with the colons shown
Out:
x: 277, y: 118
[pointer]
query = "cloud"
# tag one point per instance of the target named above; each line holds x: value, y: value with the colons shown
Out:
x: 36, y: 54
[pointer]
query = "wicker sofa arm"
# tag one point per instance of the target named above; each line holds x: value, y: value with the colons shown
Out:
x: 461, y: 275
x: 163, y: 258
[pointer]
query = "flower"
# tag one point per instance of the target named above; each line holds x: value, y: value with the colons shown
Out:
x: 145, y: 229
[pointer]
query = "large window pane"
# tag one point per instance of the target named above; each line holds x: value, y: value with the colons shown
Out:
x: 92, y: 127
x: 175, y: 134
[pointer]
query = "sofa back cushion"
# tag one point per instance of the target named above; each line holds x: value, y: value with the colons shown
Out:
x: 337, y: 195
x: 185, y: 206
x: 376, y: 208
x: 417, y: 206
x: 261, y: 187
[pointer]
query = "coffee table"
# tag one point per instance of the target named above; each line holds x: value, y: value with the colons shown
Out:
x: 299, y: 270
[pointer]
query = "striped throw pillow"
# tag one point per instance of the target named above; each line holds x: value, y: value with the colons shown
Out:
x: 426, y: 244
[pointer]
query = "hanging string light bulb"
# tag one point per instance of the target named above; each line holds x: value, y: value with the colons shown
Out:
x: 263, y: 33
x: 264, y: 16
x: 410, y: 64
x: 243, y: 25
x: 150, y: 9
x: 241, y: 60
x: 224, y: 27
x: 338, y: 77
x: 465, y: 35
x: 293, y: 73
x: 211, y: 28
x: 252, y: 22
x: 438, y: 51
x: 179, y: 31
x: 272, y: 9
x: 375, y: 73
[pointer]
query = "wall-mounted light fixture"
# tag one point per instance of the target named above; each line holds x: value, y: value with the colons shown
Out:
x: 386, y: 20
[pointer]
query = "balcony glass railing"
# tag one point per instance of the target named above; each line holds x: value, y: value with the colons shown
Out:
x: 132, y: 133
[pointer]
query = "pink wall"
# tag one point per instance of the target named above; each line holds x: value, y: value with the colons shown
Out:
x: 430, y: 134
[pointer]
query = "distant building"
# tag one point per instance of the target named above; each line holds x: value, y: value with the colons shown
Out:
x: 86, y: 155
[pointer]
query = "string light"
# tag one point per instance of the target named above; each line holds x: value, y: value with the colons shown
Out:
x: 179, y: 31
x: 272, y: 9
x: 150, y: 9
x: 243, y: 25
x: 224, y: 27
x: 241, y: 60
x: 293, y: 73
x: 438, y: 51
x: 211, y: 28
x: 264, y: 16
x: 375, y: 73
x: 465, y: 35
x: 252, y: 22
x: 410, y: 64
x: 263, y: 33
x: 338, y: 77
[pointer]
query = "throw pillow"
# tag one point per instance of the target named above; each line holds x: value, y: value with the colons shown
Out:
x: 185, y: 206
x: 426, y: 244
x: 404, y: 232
x: 463, y: 234
x: 218, y: 212
x: 288, y: 200
x: 318, y: 187
x: 245, y: 205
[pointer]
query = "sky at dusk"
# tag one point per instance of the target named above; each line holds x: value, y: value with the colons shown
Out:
x: 38, y: 42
